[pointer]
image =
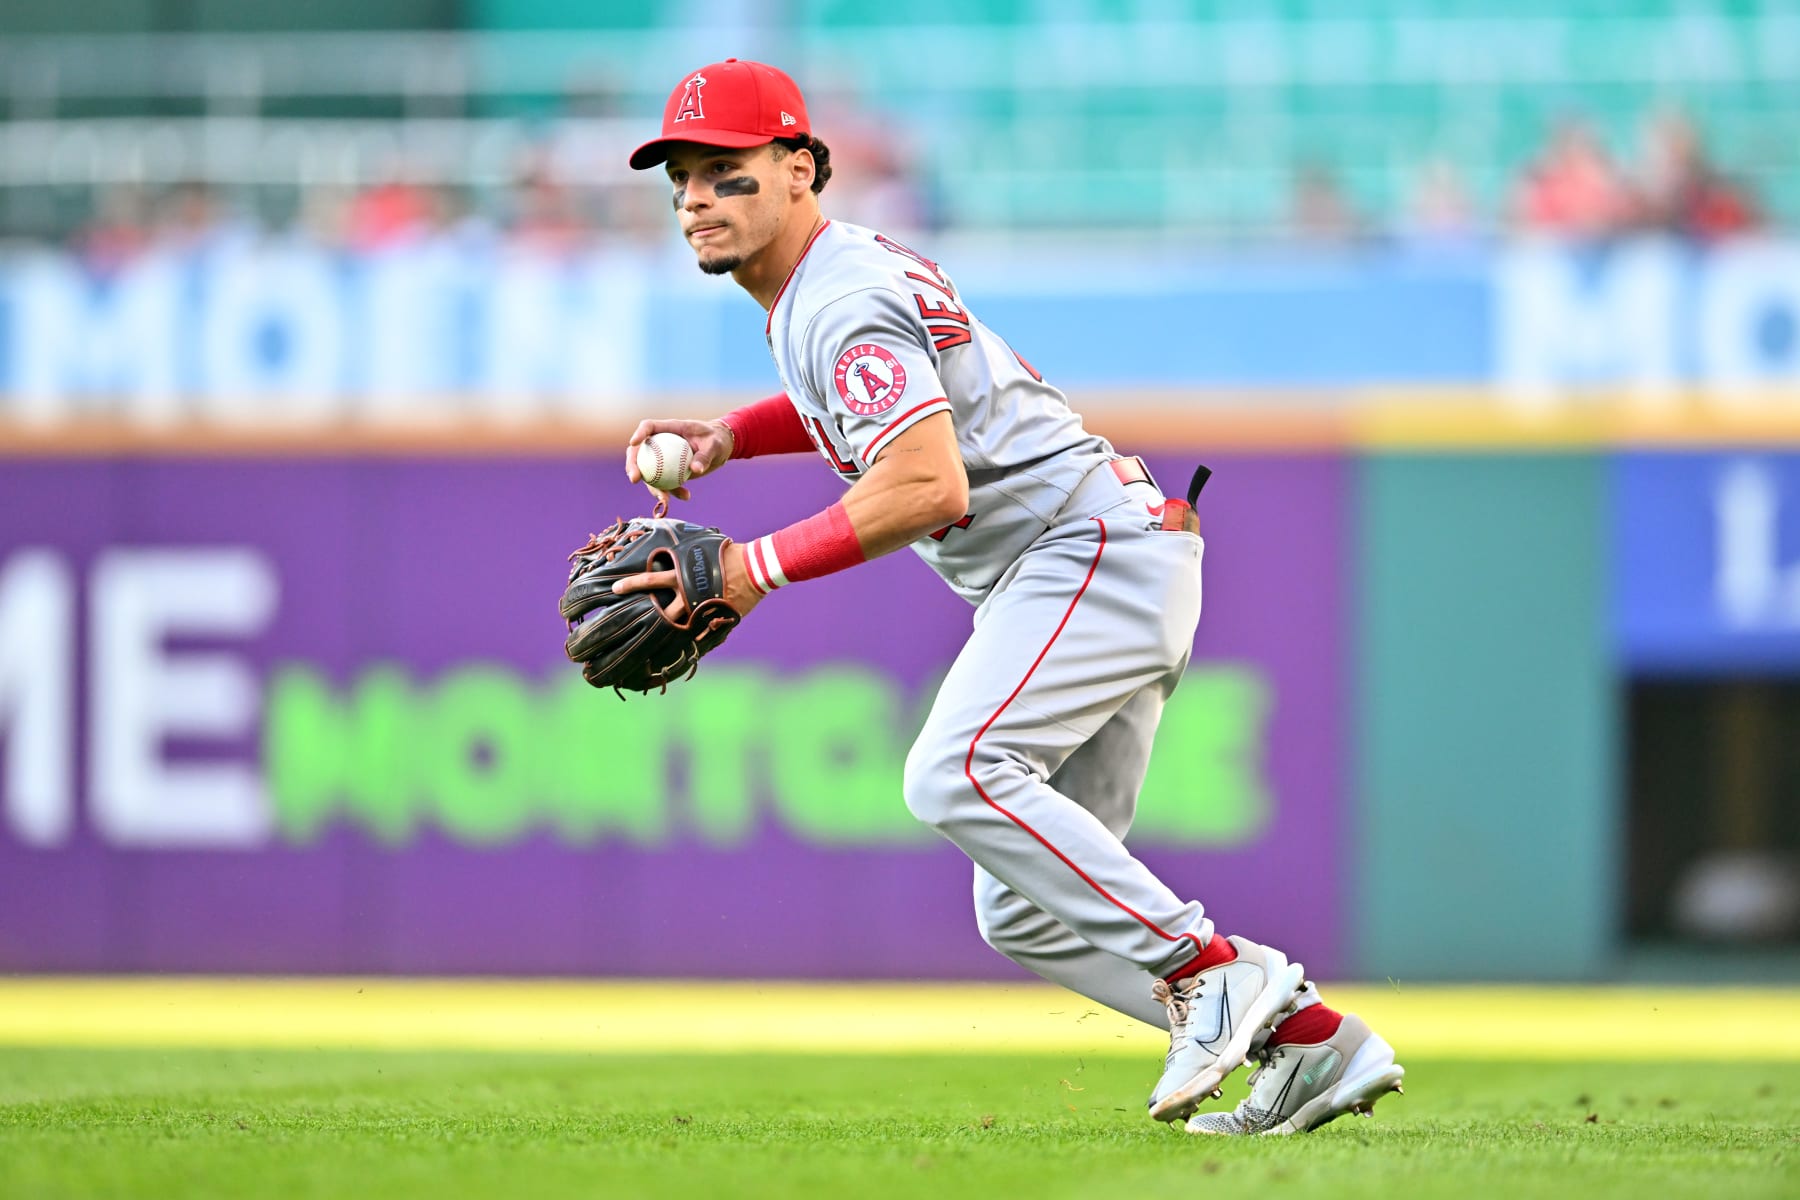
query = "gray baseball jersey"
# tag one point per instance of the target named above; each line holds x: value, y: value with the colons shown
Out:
x: 871, y: 338
x: 1036, y: 746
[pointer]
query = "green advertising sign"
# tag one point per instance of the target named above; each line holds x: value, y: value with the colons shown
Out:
x: 486, y: 755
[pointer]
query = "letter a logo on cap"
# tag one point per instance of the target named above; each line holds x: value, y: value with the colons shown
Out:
x: 690, y: 109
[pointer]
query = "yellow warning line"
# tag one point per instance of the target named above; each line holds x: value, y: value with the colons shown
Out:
x: 679, y: 1016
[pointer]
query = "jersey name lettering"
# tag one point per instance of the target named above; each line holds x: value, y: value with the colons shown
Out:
x: 947, y: 323
x: 945, y: 320
x: 889, y: 244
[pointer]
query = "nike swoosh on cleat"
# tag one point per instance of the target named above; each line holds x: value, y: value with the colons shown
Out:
x: 1224, y: 1024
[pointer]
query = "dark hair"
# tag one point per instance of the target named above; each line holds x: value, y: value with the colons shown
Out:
x: 821, y: 157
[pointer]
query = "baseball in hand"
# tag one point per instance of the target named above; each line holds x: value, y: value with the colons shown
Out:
x: 663, y: 460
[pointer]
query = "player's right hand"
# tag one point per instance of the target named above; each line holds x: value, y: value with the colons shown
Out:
x: 711, y: 442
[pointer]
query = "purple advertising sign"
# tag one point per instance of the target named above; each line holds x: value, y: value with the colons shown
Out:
x: 312, y: 715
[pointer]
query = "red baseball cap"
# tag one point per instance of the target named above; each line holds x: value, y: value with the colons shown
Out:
x: 732, y: 103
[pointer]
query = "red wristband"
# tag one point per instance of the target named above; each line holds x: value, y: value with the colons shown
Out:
x: 821, y: 544
x: 770, y: 426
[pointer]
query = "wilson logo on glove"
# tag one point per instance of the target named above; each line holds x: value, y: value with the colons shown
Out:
x: 640, y: 641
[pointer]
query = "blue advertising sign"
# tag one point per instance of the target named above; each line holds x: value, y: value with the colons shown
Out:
x: 288, y: 327
x: 1706, y: 554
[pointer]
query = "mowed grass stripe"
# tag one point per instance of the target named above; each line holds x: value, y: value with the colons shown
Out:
x: 1593, y: 1023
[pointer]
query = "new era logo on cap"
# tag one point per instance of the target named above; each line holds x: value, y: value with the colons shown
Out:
x: 733, y: 103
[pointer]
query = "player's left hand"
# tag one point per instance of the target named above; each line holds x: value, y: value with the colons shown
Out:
x: 738, y: 592
x: 645, y: 601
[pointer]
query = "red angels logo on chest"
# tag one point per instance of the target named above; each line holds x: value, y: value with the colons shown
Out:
x: 689, y: 109
x: 869, y: 379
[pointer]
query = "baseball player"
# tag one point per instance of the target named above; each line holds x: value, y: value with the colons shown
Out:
x: 1085, y: 581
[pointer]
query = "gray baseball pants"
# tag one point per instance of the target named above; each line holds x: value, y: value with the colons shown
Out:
x: 1036, y: 746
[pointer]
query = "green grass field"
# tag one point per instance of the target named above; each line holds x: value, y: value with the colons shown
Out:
x: 94, y: 1120
x: 329, y: 1124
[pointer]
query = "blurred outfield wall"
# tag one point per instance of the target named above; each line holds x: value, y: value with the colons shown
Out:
x: 312, y: 715
x: 249, y: 328
x: 279, y: 700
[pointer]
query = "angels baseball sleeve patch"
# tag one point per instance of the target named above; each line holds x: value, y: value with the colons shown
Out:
x: 869, y: 379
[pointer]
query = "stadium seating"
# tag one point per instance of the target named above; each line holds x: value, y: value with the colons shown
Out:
x: 1192, y: 116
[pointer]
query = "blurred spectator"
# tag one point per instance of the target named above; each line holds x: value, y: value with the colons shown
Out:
x: 1318, y: 210
x: 881, y: 194
x: 566, y: 186
x: 386, y: 213
x: 1680, y: 192
x: 454, y: 214
x: 119, y: 232
x: 873, y: 181
x: 1439, y: 210
x: 324, y: 214
x: 545, y: 214
x: 1574, y: 189
x: 188, y: 214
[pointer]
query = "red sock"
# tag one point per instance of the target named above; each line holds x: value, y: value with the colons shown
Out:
x: 1308, y: 1027
x: 1217, y: 952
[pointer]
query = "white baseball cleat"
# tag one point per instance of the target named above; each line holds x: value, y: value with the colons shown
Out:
x: 1299, y: 1088
x: 1214, y: 1018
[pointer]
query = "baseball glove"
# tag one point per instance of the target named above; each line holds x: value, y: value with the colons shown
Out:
x: 635, y: 642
